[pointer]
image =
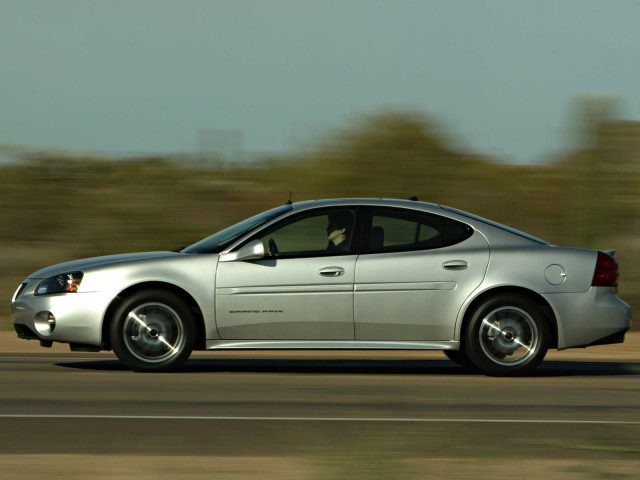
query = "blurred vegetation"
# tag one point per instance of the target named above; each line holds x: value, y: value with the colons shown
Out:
x: 56, y: 206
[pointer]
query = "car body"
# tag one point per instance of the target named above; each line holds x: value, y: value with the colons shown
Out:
x: 404, y: 275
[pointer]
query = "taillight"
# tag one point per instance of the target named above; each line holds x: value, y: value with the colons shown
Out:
x: 606, y: 273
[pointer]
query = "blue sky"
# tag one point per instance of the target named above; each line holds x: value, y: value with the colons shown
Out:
x: 138, y: 76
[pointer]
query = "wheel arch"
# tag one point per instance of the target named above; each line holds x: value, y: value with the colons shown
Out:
x: 133, y: 289
x: 538, y: 299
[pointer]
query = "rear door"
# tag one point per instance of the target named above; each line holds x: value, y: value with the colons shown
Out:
x: 417, y: 271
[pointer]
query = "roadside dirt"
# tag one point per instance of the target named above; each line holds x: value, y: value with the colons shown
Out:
x: 124, y: 467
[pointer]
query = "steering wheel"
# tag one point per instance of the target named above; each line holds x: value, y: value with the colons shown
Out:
x: 273, y: 248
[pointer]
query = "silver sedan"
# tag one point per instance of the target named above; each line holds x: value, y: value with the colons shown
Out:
x: 335, y: 274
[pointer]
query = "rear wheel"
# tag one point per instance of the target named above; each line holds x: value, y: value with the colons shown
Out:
x: 153, y: 330
x: 507, y: 335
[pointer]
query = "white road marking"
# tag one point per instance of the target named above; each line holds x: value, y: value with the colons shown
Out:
x: 324, y: 419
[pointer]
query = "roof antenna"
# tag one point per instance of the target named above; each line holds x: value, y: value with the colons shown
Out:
x: 414, y: 199
x: 289, y: 201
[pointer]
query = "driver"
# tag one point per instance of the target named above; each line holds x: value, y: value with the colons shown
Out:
x: 338, y: 232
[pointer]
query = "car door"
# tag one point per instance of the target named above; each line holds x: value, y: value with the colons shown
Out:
x: 417, y: 273
x: 301, y: 290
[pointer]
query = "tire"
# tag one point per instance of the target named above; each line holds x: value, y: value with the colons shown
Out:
x: 153, y: 331
x: 507, y: 335
x: 461, y: 358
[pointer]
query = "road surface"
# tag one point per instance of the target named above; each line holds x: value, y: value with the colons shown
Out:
x: 318, y: 415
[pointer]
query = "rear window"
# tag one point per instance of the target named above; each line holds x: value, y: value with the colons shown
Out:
x: 399, y: 230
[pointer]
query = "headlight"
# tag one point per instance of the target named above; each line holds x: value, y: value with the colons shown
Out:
x: 67, y: 282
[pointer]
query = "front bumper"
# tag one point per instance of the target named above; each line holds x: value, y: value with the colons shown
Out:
x: 66, y: 317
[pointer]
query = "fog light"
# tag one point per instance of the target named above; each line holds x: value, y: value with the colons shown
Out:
x: 45, y: 323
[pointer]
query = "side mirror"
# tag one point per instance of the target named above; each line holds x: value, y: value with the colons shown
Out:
x: 254, y: 250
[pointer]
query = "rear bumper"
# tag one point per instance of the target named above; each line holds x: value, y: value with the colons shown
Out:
x: 597, y: 317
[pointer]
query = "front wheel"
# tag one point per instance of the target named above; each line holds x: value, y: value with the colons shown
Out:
x: 460, y: 357
x: 153, y: 330
x: 507, y: 335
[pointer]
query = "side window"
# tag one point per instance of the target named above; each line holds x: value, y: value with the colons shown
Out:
x: 328, y: 232
x: 400, y: 230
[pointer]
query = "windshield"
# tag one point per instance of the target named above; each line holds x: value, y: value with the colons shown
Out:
x: 495, y: 224
x: 221, y: 240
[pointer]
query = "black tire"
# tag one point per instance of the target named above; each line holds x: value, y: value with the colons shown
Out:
x: 153, y: 331
x: 507, y: 335
x: 461, y: 358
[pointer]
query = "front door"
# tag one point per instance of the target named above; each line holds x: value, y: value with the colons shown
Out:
x: 302, y: 289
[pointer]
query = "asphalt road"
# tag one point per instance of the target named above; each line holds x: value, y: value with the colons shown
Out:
x: 297, y: 405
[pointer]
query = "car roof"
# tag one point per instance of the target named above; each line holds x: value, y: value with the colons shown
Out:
x: 380, y: 202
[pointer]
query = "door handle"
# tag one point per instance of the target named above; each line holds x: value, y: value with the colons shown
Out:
x: 455, y: 265
x: 331, y: 272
